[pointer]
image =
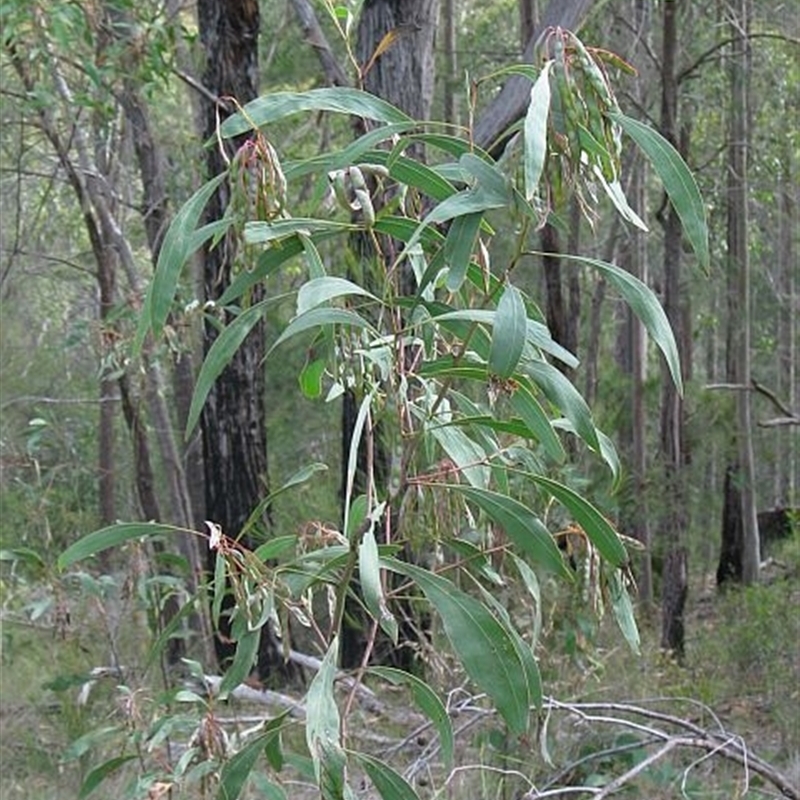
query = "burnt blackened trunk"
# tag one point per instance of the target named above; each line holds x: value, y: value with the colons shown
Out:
x: 233, y: 424
x: 730, y: 558
x: 673, y: 601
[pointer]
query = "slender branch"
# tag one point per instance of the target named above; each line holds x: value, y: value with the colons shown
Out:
x: 314, y: 36
x: 626, y: 777
x: 687, y: 71
x: 201, y: 89
x: 768, y: 393
x: 777, y: 422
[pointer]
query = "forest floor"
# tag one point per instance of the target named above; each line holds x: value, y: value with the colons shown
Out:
x: 740, y: 675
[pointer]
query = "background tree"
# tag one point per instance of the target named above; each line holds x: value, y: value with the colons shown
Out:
x: 233, y: 422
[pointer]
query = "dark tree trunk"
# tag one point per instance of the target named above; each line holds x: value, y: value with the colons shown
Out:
x: 674, y: 522
x: 233, y: 424
x: 730, y: 557
x: 673, y: 601
x: 403, y: 75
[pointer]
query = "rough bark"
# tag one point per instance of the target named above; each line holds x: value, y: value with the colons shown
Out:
x: 676, y: 582
x: 562, y: 308
x: 233, y: 420
x: 451, y: 76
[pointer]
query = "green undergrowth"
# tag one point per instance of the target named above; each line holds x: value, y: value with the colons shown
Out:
x: 741, y: 670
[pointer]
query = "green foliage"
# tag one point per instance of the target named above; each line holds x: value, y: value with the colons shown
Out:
x: 437, y: 346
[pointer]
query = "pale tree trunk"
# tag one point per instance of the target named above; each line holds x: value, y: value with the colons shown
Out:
x: 636, y: 516
x: 739, y: 274
x: 786, y: 492
x: 639, y: 522
x: 105, y: 438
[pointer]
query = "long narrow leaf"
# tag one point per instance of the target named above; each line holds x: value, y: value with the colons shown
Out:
x: 277, y: 105
x: 243, y: 661
x: 467, y: 454
x: 535, y: 131
x: 322, y: 725
x: 322, y: 290
x: 594, y: 524
x: 562, y: 393
x: 112, y: 536
x: 534, y: 417
x: 520, y: 524
x: 481, y: 642
x: 429, y: 703
x: 645, y: 305
x: 236, y: 770
x: 316, y: 318
x: 369, y: 572
x: 219, y: 356
x: 262, y: 232
x: 678, y: 181
x: 509, y: 333
x: 99, y: 774
x: 458, y: 247
x: 390, y: 784
x: 180, y: 241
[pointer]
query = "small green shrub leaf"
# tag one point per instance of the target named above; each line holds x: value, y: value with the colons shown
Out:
x: 509, y: 333
x: 310, y: 378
